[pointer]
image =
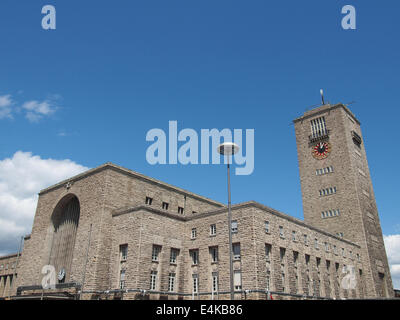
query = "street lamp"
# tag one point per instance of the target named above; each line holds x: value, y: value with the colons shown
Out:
x: 228, y: 149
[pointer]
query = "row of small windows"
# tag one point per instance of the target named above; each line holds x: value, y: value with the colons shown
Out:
x: 213, y: 229
x: 323, y: 171
x: 165, y: 205
x: 214, y: 249
x: 194, y: 254
x: 305, y: 238
x: 330, y: 213
x: 298, y: 284
x: 195, y: 281
x: 6, y: 266
x: 327, y: 191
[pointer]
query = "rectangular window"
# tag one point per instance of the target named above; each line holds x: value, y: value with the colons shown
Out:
x: 153, y: 280
x: 165, y: 205
x: 234, y: 226
x: 155, y: 253
x: 149, y: 200
x: 213, y: 230
x: 307, y: 259
x: 334, y: 249
x: 268, y: 280
x: 171, y: 282
x: 122, y: 279
x: 214, y: 254
x: 237, y: 280
x: 267, y: 226
x: 343, y: 253
x: 267, y: 252
x: 318, y: 127
x: 123, y: 252
x: 295, y: 257
x: 173, y: 256
x: 316, y: 243
x: 326, y: 246
x: 236, y: 251
x: 282, y: 253
x: 305, y: 240
x: 195, y: 283
x: 328, y: 265
x: 195, y: 256
x: 180, y: 210
x: 194, y: 233
x: 294, y: 235
x: 318, y: 261
x: 214, y: 282
x: 281, y: 234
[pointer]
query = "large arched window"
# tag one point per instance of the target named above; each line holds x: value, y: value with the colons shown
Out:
x: 65, y: 219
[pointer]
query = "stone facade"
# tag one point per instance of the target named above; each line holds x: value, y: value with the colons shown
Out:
x: 140, y: 238
x: 8, y: 274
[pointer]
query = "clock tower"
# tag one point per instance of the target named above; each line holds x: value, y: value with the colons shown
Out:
x: 337, y: 190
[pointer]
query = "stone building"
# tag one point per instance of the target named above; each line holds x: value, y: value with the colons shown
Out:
x: 112, y: 233
x: 8, y: 273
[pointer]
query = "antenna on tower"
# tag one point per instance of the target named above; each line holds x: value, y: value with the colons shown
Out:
x: 322, y: 96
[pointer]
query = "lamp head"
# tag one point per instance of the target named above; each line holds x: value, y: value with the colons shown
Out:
x: 228, y: 148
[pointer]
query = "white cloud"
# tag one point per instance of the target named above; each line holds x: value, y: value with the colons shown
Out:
x: 35, y: 110
x: 21, y: 178
x: 5, y: 106
x: 392, y: 245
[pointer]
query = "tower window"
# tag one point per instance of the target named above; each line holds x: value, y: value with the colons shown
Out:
x: 327, y: 191
x: 180, y: 210
x: 194, y: 233
x: 165, y: 205
x: 149, y: 200
x: 356, y: 138
x: 318, y: 127
x: 326, y: 170
x: 330, y: 213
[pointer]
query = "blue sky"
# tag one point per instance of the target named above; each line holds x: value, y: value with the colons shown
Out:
x: 112, y: 70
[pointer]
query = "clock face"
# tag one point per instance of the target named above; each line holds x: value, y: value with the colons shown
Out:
x: 321, y: 150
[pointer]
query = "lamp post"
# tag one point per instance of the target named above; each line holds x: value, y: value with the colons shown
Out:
x: 228, y: 149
